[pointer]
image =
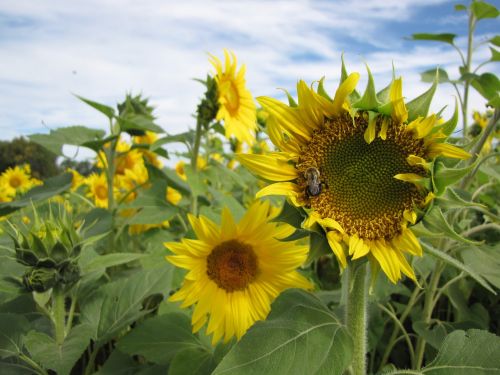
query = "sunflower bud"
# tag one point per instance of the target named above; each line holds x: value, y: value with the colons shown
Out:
x: 40, y: 279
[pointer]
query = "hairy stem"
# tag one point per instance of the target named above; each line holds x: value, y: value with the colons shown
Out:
x: 59, y: 314
x: 356, y: 314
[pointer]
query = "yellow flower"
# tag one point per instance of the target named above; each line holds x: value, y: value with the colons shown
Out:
x: 18, y: 179
x: 358, y: 173
x: 98, y: 189
x: 235, y: 271
x: 236, y: 105
x: 201, y: 164
x: 173, y: 196
x: 148, y: 139
x: 77, y: 180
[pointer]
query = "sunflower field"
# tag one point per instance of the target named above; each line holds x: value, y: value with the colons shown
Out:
x: 346, y: 230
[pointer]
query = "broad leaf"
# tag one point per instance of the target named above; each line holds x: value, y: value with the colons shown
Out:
x: 446, y: 38
x: 430, y: 75
x: 435, y: 221
x: 160, y: 338
x: 118, y: 304
x: 192, y: 361
x: 485, y: 261
x: 44, y: 350
x: 457, y: 264
x: 482, y: 9
x: 487, y: 84
x: 72, y: 135
x: 110, y: 260
x: 138, y: 125
x: 106, y: 110
x: 300, y: 336
x: 291, y: 215
x: 12, y: 329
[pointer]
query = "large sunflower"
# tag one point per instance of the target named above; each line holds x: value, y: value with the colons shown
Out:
x: 358, y: 167
x: 236, y: 105
x: 236, y: 270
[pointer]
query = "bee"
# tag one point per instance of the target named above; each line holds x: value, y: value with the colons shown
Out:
x: 314, y: 184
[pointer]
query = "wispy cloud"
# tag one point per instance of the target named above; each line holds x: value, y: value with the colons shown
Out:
x: 102, y: 49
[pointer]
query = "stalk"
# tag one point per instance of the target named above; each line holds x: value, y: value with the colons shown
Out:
x: 59, y: 314
x: 468, y: 62
x: 356, y: 317
x: 194, y: 164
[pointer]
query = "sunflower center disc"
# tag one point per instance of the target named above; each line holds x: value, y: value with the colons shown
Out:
x: 15, y: 182
x: 360, y: 190
x: 232, y: 265
x: 101, y: 192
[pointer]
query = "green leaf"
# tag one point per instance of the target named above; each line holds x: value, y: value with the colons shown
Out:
x: 195, y: 180
x: 420, y: 105
x: 291, y: 215
x: 495, y: 54
x: 12, y: 329
x: 449, y: 126
x: 487, y: 84
x: 435, y: 221
x: 119, y: 363
x: 138, y: 124
x: 451, y: 199
x: 318, y: 246
x: 98, y: 145
x: 300, y: 336
x: 71, y: 135
x: 445, y: 38
x: 444, y: 176
x: 485, y: 260
x: 495, y: 40
x: 482, y: 9
x: 465, y: 353
x: 51, y: 186
x: 460, y: 7
x: 383, y: 95
x: 110, y: 260
x: 97, y: 222
x: 457, y: 264
x: 227, y: 200
x: 192, y: 361
x: 108, y: 111
x: 152, y: 205
x: 160, y: 338
x: 369, y: 100
x: 186, y: 137
x: 116, y: 305
x: 44, y: 350
x: 494, y: 102
x: 434, y: 336
x: 7, y: 368
x: 430, y: 75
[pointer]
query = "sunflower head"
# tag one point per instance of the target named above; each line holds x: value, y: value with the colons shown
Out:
x: 360, y: 167
x: 17, y: 179
x: 236, y: 270
x: 98, y: 189
x: 236, y: 105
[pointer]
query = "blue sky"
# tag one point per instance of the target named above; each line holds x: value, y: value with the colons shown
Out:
x: 101, y: 49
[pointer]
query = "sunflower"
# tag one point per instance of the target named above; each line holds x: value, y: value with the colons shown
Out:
x: 148, y: 139
x: 235, y: 271
x: 77, y: 179
x: 98, y: 189
x: 236, y: 105
x: 359, y: 168
x: 201, y: 164
x: 18, y: 179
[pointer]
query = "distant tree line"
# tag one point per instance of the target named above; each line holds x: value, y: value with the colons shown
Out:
x: 43, y: 163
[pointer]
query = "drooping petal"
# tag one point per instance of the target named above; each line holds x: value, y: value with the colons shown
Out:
x: 271, y: 167
x: 343, y: 92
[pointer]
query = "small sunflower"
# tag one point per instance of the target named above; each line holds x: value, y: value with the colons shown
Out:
x: 148, y: 139
x: 77, y: 180
x: 98, y: 189
x: 235, y: 271
x: 18, y: 179
x: 360, y: 170
x: 236, y: 105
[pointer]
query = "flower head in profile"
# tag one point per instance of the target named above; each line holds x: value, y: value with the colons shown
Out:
x: 359, y: 166
x: 236, y: 270
x: 236, y: 105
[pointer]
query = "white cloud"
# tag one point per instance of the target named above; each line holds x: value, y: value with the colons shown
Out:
x: 102, y: 49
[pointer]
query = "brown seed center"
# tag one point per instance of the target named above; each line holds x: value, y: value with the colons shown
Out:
x: 232, y: 265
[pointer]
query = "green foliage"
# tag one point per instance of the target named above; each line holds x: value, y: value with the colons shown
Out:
x: 20, y: 151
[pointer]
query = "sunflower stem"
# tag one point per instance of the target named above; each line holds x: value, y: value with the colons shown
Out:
x: 356, y: 318
x: 194, y: 163
x: 58, y: 313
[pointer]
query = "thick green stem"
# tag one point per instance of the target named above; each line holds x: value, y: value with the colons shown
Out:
x: 356, y: 314
x: 194, y: 163
x: 58, y: 313
x: 468, y: 62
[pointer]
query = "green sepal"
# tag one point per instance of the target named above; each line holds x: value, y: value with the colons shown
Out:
x: 353, y: 96
x: 449, y: 126
x: 322, y: 91
x: 369, y: 100
x: 384, y: 95
x: 291, y: 100
x: 318, y: 246
x: 436, y: 222
x: 420, y: 105
x: 385, y: 109
x: 291, y: 215
x: 443, y: 176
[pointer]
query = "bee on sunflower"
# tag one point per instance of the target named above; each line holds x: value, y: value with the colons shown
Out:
x: 373, y: 161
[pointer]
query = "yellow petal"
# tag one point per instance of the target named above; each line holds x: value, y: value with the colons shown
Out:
x: 228, y: 226
x: 205, y: 229
x: 447, y: 150
x: 370, y: 130
x: 337, y: 249
x: 410, y: 215
x: 415, y: 160
x: 383, y: 129
x: 279, y: 188
x: 387, y: 259
x: 399, y: 111
x: 343, y: 92
x: 408, y: 177
x: 271, y: 167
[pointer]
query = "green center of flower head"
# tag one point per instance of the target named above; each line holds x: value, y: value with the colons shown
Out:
x: 232, y: 265
x: 359, y: 189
